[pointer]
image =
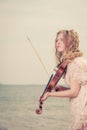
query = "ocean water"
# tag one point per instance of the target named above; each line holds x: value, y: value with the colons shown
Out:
x: 19, y: 102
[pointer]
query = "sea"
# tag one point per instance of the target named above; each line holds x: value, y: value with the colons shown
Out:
x: 19, y: 102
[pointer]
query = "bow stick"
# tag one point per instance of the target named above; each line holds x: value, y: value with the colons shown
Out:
x: 37, y: 55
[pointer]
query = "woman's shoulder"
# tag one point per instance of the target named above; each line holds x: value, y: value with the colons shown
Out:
x: 79, y: 62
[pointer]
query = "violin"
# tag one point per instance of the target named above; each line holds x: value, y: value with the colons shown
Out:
x: 52, y: 83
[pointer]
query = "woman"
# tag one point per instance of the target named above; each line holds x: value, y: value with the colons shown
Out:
x: 67, y: 48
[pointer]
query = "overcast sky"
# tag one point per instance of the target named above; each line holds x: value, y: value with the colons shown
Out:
x: 39, y: 20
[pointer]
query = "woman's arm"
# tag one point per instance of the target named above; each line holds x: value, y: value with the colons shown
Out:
x: 70, y: 93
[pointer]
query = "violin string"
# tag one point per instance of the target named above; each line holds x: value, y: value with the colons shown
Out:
x: 38, y: 56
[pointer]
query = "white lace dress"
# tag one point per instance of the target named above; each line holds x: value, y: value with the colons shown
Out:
x: 77, y: 70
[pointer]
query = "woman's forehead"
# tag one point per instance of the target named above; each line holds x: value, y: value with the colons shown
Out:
x: 60, y: 35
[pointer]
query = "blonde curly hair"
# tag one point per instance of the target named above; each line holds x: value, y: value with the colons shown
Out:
x: 71, y: 41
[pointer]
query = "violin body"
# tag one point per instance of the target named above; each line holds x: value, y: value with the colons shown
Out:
x: 60, y: 88
x: 52, y: 83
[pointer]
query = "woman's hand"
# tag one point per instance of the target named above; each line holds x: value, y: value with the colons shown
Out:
x: 45, y: 96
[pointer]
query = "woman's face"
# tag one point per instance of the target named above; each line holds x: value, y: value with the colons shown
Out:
x: 60, y: 44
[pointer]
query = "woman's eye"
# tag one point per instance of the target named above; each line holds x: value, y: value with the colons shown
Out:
x: 61, y: 39
x: 56, y: 40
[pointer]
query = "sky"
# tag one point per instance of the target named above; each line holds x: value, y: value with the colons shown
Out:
x: 38, y: 20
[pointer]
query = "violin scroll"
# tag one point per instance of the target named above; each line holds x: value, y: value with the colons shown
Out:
x: 39, y: 110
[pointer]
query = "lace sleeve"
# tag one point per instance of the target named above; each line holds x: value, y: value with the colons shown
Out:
x: 77, y: 71
x: 74, y: 72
